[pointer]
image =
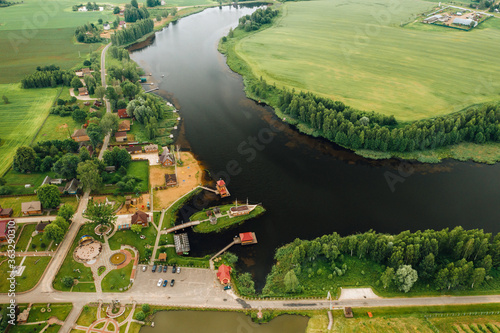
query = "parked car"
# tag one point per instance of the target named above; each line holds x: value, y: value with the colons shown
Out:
x: 153, y: 269
x: 144, y: 268
x: 159, y: 282
x: 165, y: 282
x: 165, y: 268
x: 227, y: 287
x: 172, y: 283
x: 178, y: 270
x: 174, y: 269
x: 160, y: 268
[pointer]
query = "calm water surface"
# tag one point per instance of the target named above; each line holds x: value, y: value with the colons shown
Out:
x: 309, y: 187
x: 222, y: 322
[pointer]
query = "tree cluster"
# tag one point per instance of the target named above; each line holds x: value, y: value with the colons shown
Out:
x: 153, y: 3
x: 133, y: 33
x: 355, y: 129
x: 118, y: 157
x: 133, y: 13
x: 47, y: 78
x: 446, y: 259
x: 147, y: 110
x: 257, y: 19
x: 88, y: 33
x: 119, y: 53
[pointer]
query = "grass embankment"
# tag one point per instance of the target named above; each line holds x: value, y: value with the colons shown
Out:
x: 222, y: 222
x: 293, y: 54
x: 117, y: 279
x: 21, y: 118
x: 414, y: 94
x: 70, y: 267
x: 35, y: 266
x: 169, y: 221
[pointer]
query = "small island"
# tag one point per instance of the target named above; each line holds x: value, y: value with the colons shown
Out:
x: 215, y: 219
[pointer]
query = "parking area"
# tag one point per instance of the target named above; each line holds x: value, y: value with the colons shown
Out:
x: 152, y: 157
x: 193, y: 283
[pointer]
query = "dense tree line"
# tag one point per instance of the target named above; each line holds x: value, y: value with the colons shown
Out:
x: 132, y: 33
x: 257, y: 18
x: 88, y: 33
x: 133, y: 13
x: 47, y: 78
x: 368, y: 130
x: 153, y: 3
x: 442, y: 259
x: 48, y: 68
x: 147, y: 109
x: 119, y: 53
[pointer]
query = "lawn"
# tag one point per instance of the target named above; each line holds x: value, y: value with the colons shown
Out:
x: 88, y: 316
x: 128, y: 237
x: 15, y: 203
x: 59, y: 310
x: 38, y: 240
x: 225, y: 221
x: 69, y: 266
x: 411, y: 319
x: 338, y: 49
x: 117, y: 279
x: 138, y: 169
x: 35, y: 266
x: 22, y: 117
x: 25, y: 237
x: 16, y: 181
x: 57, y: 128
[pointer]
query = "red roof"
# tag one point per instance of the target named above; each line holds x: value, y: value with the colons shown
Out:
x: 3, y: 228
x: 122, y: 113
x: 221, y: 182
x: 224, y: 274
x: 246, y: 237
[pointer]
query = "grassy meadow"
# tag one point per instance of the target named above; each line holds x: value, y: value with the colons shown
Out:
x: 22, y: 118
x: 338, y: 49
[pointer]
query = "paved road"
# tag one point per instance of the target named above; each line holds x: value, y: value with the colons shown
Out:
x: 108, y: 106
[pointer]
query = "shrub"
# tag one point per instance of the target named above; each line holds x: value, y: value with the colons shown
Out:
x: 146, y: 308
x: 87, y: 62
x: 140, y: 316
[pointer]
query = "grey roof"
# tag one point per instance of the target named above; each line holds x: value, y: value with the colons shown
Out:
x: 31, y: 206
x: 72, y: 186
x: 181, y: 243
x: 462, y: 21
x: 165, y: 155
x: 46, y: 181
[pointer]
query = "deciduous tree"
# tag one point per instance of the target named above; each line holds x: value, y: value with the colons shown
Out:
x: 49, y: 196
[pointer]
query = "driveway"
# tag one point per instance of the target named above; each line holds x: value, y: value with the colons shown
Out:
x: 82, y: 98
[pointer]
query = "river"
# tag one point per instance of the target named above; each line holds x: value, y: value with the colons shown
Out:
x: 309, y: 187
x: 219, y: 322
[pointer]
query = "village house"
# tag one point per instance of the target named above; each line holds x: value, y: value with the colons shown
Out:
x: 141, y: 218
x: 72, y: 187
x: 106, y: 26
x: 80, y: 135
x: 82, y: 9
x: 134, y: 149
x: 162, y: 257
x: 122, y: 113
x: 40, y: 227
x: 124, y: 126
x: 166, y: 159
x: 224, y: 274
x: 170, y: 179
x: 239, y: 210
x: 248, y: 238
x: 5, y: 212
x: 121, y: 136
x: 83, y: 91
x: 31, y: 208
x: 3, y: 230
x: 152, y: 148
x: 123, y: 24
x: 97, y: 103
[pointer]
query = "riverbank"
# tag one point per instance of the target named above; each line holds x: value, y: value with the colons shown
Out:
x: 224, y: 220
x: 483, y: 153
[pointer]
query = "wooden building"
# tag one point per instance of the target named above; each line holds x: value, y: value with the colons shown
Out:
x: 31, y: 208
x: 121, y: 136
x: 80, y: 135
x: 5, y: 212
x: 140, y: 218
x: 170, y: 179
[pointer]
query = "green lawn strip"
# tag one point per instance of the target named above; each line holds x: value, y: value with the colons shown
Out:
x: 22, y: 117
x: 117, y: 279
x: 59, y: 310
x: 70, y: 265
x: 225, y: 221
x: 38, y: 241
x: 31, y: 275
x: 25, y: 237
x: 87, y: 316
x: 128, y: 237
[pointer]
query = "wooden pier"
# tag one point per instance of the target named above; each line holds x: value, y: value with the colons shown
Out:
x: 150, y: 90
x: 181, y: 226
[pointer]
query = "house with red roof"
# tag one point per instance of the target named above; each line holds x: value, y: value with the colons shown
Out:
x: 4, y: 224
x: 122, y: 113
x: 224, y: 274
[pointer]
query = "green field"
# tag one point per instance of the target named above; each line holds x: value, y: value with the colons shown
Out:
x: 337, y: 49
x: 22, y: 118
x: 35, y: 266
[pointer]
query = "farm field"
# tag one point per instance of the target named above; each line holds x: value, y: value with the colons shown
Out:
x: 22, y: 118
x: 338, y: 49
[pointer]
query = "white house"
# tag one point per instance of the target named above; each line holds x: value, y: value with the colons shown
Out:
x: 101, y: 9
x: 106, y: 26
x: 82, y: 9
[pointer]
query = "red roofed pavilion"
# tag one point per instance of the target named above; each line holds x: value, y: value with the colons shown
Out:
x: 246, y: 237
x: 224, y: 274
